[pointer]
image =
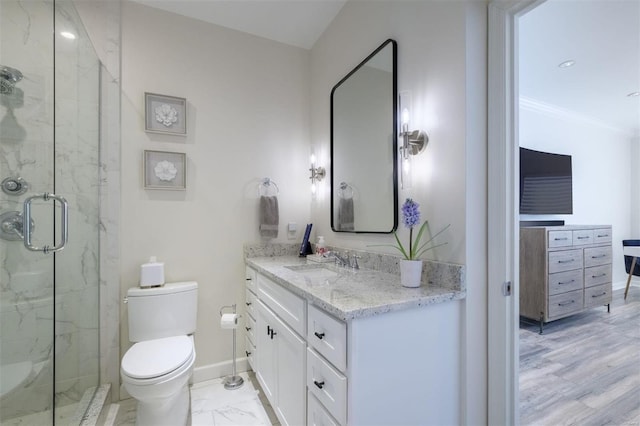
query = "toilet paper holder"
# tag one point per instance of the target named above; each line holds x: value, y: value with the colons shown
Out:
x: 233, y: 381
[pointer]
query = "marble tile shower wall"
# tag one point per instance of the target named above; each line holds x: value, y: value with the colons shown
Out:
x: 27, y: 149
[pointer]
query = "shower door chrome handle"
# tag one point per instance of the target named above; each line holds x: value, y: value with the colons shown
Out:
x: 64, y: 222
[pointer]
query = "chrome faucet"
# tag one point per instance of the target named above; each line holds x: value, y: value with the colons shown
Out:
x: 353, y: 261
x: 340, y: 261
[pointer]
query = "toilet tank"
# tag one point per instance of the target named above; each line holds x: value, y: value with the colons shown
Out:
x: 165, y: 311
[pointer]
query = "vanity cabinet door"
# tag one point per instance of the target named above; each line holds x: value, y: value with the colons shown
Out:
x: 266, y: 356
x: 281, y: 366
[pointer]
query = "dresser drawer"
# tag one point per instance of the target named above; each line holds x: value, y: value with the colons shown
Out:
x: 583, y: 237
x: 601, y: 236
x: 560, y: 238
x: 594, y: 256
x: 317, y: 415
x: 251, y: 279
x: 562, y: 282
x: 565, y: 303
x: 597, y: 296
x: 290, y: 308
x: 597, y: 275
x: 251, y: 302
x: 250, y: 352
x: 328, y: 336
x: 250, y: 327
x: 565, y: 260
x: 328, y: 385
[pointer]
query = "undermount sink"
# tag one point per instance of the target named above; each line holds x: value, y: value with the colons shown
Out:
x: 314, y: 273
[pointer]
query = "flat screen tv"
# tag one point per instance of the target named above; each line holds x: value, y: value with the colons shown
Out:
x: 545, y: 183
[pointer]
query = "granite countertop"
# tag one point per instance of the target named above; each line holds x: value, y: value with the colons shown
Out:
x: 349, y: 294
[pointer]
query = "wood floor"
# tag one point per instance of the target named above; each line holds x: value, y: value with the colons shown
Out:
x: 585, y: 369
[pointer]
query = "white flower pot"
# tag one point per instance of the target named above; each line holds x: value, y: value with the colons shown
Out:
x: 410, y: 273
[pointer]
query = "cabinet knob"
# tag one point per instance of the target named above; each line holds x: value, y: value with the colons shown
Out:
x: 319, y: 335
x: 320, y: 385
x: 248, y: 303
x: 248, y: 328
x: 247, y: 352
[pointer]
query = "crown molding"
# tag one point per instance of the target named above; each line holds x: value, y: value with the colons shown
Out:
x: 555, y: 111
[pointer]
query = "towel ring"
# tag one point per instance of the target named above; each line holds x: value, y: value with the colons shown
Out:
x: 346, y: 190
x: 267, y: 184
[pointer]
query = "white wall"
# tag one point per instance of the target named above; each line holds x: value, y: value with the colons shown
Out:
x: 442, y: 62
x: 248, y: 118
x: 601, y: 169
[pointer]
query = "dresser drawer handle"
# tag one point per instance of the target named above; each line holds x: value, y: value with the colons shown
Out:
x: 566, y: 282
x: 319, y: 335
x: 604, y: 293
x: 583, y: 238
x: 320, y: 385
x: 603, y: 235
x: 599, y: 256
x: 248, y: 279
x: 566, y: 261
x: 566, y: 303
x: 598, y: 276
x: 560, y: 239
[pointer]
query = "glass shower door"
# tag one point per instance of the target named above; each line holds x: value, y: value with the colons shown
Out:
x: 49, y: 144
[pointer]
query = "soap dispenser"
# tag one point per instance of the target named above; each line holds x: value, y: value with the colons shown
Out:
x: 320, y: 247
x: 152, y: 273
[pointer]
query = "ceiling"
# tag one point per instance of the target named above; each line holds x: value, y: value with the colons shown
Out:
x: 601, y: 36
x: 295, y: 22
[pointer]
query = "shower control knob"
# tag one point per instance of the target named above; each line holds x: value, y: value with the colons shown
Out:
x: 14, y: 186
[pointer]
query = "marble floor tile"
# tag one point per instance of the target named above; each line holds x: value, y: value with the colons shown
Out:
x: 213, y: 405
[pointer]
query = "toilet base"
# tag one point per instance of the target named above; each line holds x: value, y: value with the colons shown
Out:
x: 172, y: 411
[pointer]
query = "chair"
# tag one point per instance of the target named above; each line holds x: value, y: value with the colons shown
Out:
x: 631, y: 250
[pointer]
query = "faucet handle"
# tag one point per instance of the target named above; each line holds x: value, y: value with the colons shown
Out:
x: 354, y: 261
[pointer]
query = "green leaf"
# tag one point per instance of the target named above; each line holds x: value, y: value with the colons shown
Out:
x: 417, y: 244
x: 400, y: 247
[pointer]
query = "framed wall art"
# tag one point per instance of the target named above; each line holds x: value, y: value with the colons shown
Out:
x: 165, y: 114
x: 165, y: 170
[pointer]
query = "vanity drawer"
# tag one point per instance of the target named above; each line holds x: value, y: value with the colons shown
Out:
x: 594, y: 256
x: 328, y: 385
x: 602, y: 235
x: 251, y: 279
x: 563, y: 304
x: 560, y: 238
x: 289, y: 307
x: 562, y: 282
x: 317, y: 415
x: 597, y: 275
x: 250, y: 327
x: 328, y: 336
x: 598, y: 295
x: 565, y: 260
x: 251, y: 302
x: 250, y: 352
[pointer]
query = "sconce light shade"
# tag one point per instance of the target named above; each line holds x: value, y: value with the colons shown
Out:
x: 317, y: 174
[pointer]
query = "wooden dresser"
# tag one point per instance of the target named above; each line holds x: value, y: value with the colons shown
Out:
x: 564, y: 270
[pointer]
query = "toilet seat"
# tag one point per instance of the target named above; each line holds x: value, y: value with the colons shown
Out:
x: 153, y: 360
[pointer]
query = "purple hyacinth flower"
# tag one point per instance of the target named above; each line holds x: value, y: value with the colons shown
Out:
x: 410, y: 213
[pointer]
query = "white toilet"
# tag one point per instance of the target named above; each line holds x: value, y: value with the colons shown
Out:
x: 156, y: 370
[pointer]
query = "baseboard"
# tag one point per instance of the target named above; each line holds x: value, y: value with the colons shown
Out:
x: 621, y: 285
x: 221, y: 369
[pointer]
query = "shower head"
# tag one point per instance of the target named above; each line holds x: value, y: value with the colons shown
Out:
x: 8, y: 79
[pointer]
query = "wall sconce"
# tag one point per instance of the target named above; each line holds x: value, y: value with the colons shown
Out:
x: 317, y: 173
x: 413, y: 141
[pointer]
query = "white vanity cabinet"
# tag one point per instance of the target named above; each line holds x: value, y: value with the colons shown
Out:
x: 399, y: 366
x: 281, y: 360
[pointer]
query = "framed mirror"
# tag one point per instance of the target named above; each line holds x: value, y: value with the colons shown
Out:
x: 364, y: 123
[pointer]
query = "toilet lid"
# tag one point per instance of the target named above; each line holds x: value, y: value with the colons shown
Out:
x: 153, y: 358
